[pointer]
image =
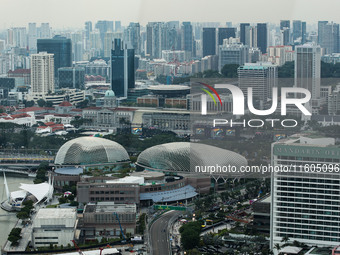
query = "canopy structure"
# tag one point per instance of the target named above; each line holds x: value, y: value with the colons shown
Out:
x: 183, y: 193
x: 39, y: 191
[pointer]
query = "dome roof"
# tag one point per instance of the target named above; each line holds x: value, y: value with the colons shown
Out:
x: 184, y: 156
x: 109, y: 93
x: 90, y: 150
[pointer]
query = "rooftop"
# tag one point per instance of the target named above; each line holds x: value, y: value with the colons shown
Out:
x: 53, y: 213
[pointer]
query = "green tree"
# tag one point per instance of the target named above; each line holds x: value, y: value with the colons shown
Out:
x: 14, y: 236
x: 41, y: 102
x: 286, y: 70
x: 230, y: 70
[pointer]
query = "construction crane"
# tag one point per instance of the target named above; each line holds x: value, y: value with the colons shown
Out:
x: 121, y: 229
x: 76, y: 246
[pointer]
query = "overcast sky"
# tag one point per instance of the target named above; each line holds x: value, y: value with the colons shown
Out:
x: 73, y: 13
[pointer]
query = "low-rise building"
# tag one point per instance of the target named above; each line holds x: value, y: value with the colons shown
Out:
x: 54, y: 226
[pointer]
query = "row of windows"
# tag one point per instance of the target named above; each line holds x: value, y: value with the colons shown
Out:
x: 313, y: 206
x: 307, y: 201
x: 114, y: 192
x: 282, y: 209
x: 319, y: 233
x: 313, y: 180
x: 306, y: 221
x: 306, y: 227
x: 333, y: 192
x: 306, y: 216
x: 46, y: 237
x: 93, y: 199
x: 308, y: 159
x: 310, y: 237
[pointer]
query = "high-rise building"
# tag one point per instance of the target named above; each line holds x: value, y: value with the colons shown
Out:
x: 45, y: 30
x: 78, y: 51
x: 225, y: 33
x: 251, y: 36
x: 104, y: 26
x: 285, y: 36
x: 232, y: 53
x: 122, y: 68
x: 243, y: 32
x: 262, y: 37
x: 17, y: 37
x: 297, y: 29
x: 88, y: 30
x: 209, y: 41
x: 32, y: 37
x: 321, y: 25
x: 118, y: 26
x: 284, y: 24
x: 305, y: 203
x: 303, y: 32
x: 329, y: 37
x: 308, y: 68
x: 108, y: 41
x: 42, y: 73
x: 187, y: 36
x: 61, y: 47
x: 262, y: 77
x: 71, y: 77
x: 133, y: 37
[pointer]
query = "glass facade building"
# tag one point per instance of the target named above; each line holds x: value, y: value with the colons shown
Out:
x: 61, y: 47
x: 71, y: 77
x: 209, y: 41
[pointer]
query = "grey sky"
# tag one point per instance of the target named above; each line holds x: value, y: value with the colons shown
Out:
x: 73, y: 13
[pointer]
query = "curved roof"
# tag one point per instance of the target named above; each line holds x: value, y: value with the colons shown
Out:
x: 90, y: 150
x: 184, y: 156
x: 40, y: 191
x: 168, y: 87
x: 69, y: 171
x: 109, y: 93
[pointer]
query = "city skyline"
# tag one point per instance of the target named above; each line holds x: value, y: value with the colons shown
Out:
x: 144, y: 11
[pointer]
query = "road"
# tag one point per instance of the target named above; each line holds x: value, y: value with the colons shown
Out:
x: 159, y: 233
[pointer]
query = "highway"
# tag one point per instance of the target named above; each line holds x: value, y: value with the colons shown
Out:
x: 159, y: 233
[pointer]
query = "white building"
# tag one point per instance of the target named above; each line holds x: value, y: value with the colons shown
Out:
x: 262, y: 77
x: 54, y: 226
x: 232, y: 53
x: 42, y: 73
x: 308, y: 68
x: 305, y: 204
x: 279, y: 55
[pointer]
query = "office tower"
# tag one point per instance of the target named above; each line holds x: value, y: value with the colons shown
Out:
x: 187, y: 36
x: 229, y: 24
x: 2, y: 46
x: 149, y: 39
x: 78, y: 52
x: 95, y: 42
x: 303, y: 32
x: 32, y: 37
x: 122, y: 68
x: 108, y: 41
x: 45, y: 30
x: 284, y: 24
x: 321, y: 25
x: 308, y: 68
x: 42, y: 73
x: 225, y: 33
x: 173, y: 24
x: 133, y: 37
x: 305, y: 204
x: 103, y: 26
x: 118, y: 26
x: 262, y: 37
x: 329, y: 37
x: 262, y: 77
x: 251, y: 36
x: 280, y: 54
x: 88, y: 29
x: 243, y: 32
x: 232, y: 53
x: 285, y: 36
x: 297, y: 29
x: 172, y: 39
x: 71, y: 77
x: 156, y: 38
x: 61, y: 47
x: 209, y: 41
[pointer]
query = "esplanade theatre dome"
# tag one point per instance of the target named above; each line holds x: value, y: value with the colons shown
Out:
x: 185, y: 156
x: 91, y: 150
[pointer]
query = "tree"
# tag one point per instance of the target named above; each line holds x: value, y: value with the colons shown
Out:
x: 190, y: 234
x: 83, y: 104
x: 286, y: 70
x: 29, y: 103
x: 41, y: 102
x: 14, y: 236
x: 230, y: 70
x: 49, y: 104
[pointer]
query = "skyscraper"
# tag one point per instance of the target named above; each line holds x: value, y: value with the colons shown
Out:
x: 308, y: 68
x: 133, y: 36
x: 305, y: 203
x: 321, y: 25
x: 61, y: 47
x: 45, y: 30
x: 104, y: 26
x: 262, y: 77
x: 122, y: 68
x: 303, y: 32
x: 225, y: 33
x: 88, y: 30
x: 209, y: 41
x: 118, y: 26
x: 297, y: 29
x: 42, y: 73
x: 243, y: 32
x: 32, y: 37
x: 329, y: 37
x: 262, y: 37
x: 284, y: 23
x: 187, y: 36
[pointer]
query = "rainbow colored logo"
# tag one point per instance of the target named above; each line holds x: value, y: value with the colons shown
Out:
x: 209, y: 93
